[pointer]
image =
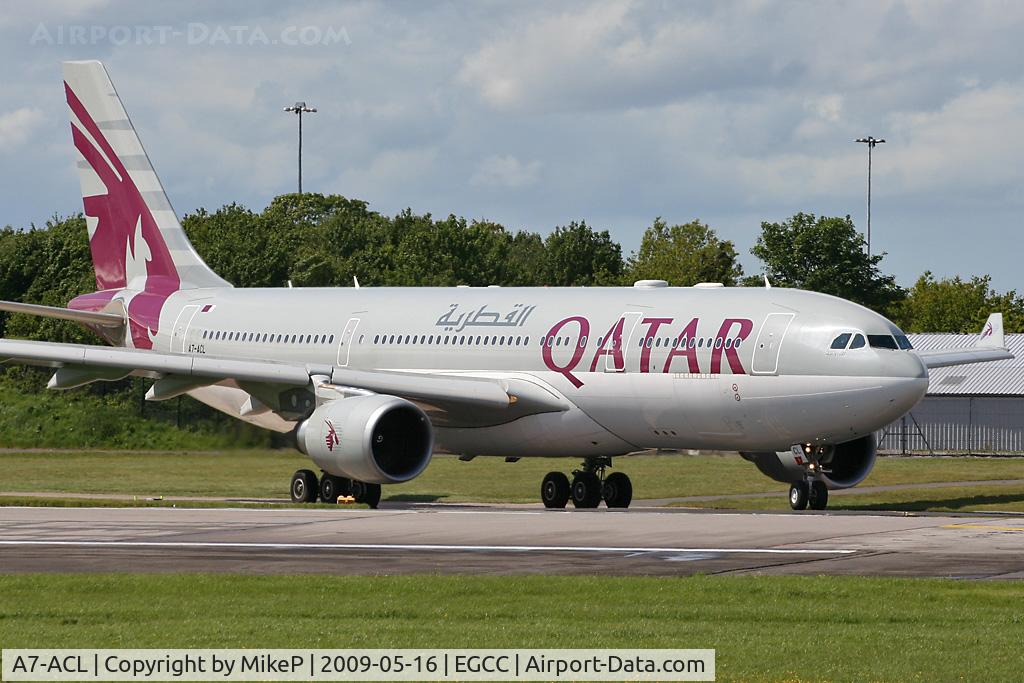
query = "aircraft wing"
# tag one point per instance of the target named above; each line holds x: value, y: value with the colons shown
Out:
x: 288, y: 389
x: 990, y: 346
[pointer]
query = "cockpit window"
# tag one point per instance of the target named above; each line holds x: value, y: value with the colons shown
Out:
x: 841, y: 341
x: 882, y: 341
x: 858, y: 342
x: 903, y: 342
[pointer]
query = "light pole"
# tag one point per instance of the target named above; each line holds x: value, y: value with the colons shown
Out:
x: 871, y: 142
x: 300, y: 108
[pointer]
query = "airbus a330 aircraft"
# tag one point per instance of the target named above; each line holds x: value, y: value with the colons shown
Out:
x: 373, y: 381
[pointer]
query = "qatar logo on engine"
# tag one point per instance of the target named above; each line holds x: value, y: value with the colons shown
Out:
x: 332, y: 436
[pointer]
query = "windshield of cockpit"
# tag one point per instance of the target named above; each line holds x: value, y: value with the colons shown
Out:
x: 858, y: 340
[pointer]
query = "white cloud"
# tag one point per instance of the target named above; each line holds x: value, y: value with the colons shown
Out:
x: 16, y: 126
x: 506, y: 172
x: 972, y: 145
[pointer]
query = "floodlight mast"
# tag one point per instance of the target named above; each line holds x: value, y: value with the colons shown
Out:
x: 871, y: 142
x: 300, y: 108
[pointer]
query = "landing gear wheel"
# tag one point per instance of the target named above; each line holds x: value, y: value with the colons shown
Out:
x: 305, y: 487
x: 818, y: 497
x: 554, y: 490
x: 586, y: 490
x: 798, y: 494
x: 331, y: 487
x: 366, y: 493
x: 617, y: 490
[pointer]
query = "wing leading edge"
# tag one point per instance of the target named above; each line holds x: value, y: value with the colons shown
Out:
x: 277, y: 386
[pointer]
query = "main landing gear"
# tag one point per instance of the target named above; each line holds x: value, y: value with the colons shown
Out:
x: 306, y: 488
x: 589, y: 486
x: 812, y: 493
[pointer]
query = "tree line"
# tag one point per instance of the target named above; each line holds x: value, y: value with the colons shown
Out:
x: 315, y: 240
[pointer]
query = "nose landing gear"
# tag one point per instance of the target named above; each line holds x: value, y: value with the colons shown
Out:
x: 589, y: 486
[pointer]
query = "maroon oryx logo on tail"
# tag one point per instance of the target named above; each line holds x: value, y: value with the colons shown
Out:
x: 127, y: 242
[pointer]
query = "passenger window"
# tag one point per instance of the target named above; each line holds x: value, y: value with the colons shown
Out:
x: 858, y: 342
x: 331, y: 340
x: 841, y: 341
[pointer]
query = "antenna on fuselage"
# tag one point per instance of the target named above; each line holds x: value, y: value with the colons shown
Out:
x: 355, y: 281
x: 767, y: 285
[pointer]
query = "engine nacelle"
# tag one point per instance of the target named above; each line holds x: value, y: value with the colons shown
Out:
x: 840, y: 466
x: 376, y: 438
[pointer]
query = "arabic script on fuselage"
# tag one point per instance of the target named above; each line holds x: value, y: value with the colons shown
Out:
x: 455, y: 320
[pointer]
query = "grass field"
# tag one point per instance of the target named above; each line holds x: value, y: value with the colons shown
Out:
x: 265, y: 474
x: 764, y: 628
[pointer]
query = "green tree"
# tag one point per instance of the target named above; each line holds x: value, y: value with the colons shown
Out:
x: 825, y: 254
x: 577, y: 255
x: 684, y: 255
x: 956, y: 305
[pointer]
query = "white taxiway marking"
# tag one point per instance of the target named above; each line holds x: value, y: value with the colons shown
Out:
x: 427, y: 546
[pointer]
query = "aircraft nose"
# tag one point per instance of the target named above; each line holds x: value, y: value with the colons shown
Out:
x: 908, y: 392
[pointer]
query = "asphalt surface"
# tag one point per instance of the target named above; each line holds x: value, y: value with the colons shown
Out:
x: 507, y: 540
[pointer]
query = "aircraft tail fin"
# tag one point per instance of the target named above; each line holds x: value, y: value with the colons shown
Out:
x: 135, y: 237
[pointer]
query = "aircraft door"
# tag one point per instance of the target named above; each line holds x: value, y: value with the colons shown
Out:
x: 769, y: 343
x: 624, y: 347
x: 179, y: 336
x: 345, y: 343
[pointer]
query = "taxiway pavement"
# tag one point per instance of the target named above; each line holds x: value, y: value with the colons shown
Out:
x: 507, y: 540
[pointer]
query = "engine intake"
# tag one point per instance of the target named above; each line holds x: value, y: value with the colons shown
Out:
x: 840, y: 466
x: 378, y: 439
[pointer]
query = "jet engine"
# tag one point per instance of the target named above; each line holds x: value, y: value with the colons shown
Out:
x: 376, y: 439
x: 840, y: 466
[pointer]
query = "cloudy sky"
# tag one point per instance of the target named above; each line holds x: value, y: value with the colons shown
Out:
x: 534, y: 114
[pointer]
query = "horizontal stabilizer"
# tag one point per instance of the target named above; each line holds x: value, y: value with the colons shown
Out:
x: 86, y: 317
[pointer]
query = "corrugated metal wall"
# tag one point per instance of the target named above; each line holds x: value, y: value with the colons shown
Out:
x: 963, y: 424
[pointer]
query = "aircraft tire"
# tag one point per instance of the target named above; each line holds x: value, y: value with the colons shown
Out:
x: 817, y: 498
x: 331, y: 487
x: 798, y: 494
x: 586, y: 490
x: 555, y: 490
x: 366, y: 493
x: 617, y: 490
x: 304, y: 488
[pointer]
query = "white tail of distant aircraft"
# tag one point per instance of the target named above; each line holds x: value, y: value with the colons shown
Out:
x: 373, y: 381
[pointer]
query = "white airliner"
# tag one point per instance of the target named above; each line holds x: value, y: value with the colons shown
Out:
x: 373, y: 381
